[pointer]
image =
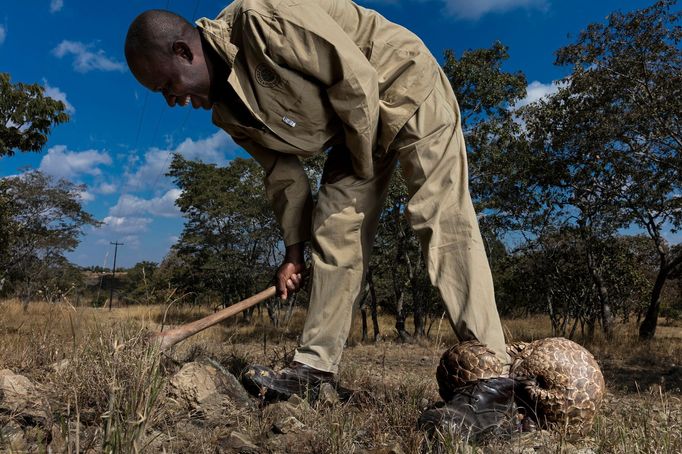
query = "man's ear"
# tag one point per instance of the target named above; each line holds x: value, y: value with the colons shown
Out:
x: 182, y: 49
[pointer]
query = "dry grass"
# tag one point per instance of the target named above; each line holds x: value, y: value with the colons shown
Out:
x: 107, y: 393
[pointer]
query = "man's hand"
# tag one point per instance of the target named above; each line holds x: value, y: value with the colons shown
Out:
x: 288, y: 277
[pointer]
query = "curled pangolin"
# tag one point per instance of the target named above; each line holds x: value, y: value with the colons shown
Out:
x: 563, y: 379
x: 560, y: 378
x: 464, y: 363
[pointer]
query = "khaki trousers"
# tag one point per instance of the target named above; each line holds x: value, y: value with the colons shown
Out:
x: 432, y: 155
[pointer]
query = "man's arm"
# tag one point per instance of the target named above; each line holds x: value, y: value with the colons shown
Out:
x: 288, y: 189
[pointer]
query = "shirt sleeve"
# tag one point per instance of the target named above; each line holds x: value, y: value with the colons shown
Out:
x: 304, y: 38
x: 287, y: 188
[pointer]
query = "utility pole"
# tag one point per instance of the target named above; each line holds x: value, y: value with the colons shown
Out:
x: 113, y: 272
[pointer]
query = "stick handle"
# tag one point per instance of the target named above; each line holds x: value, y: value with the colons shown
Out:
x: 171, y: 337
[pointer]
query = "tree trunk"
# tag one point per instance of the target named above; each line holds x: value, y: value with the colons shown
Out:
x: 605, y: 312
x: 417, y: 300
x: 590, y: 329
x: 373, y: 305
x: 647, y: 330
x: 400, y: 318
x: 419, y: 326
x: 363, y: 311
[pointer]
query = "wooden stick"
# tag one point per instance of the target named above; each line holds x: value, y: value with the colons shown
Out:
x: 171, y: 337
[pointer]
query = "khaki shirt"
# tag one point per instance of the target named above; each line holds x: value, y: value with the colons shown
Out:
x: 313, y: 74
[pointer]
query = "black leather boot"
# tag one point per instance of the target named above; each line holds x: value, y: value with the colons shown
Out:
x: 301, y: 379
x: 485, y: 407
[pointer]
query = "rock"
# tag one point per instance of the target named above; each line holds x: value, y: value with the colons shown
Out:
x: 327, y: 395
x: 209, y: 390
x: 302, y: 441
x: 20, y: 398
x: 287, y: 425
x: 64, y: 437
x: 241, y: 443
x: 228, y: 384
x: 300, y: 404
x: 12, y: 438
x: 295, y: 406
x: 61, y: 366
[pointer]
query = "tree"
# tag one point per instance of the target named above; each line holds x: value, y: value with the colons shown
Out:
x: 43, y: 220
x: 26, y: 116
x: 619, y: 117
x: 140, y: 285
x: 397, y: 263
x: 483, y: 90
x: 552, y: 276
x: 230, y: 243
x: 603, y: 153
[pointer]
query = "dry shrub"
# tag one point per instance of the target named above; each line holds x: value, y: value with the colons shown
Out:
x: 92, y: 374
x: 107, y: 391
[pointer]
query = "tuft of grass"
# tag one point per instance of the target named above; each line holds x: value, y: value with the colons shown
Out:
x: 107, y: 386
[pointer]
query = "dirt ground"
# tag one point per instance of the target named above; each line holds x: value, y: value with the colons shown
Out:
x: 108, y: 392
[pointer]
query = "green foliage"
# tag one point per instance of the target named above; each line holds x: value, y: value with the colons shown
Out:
x: 600, y: 155
x: 482, y: 88
x: 43, y: 220
x: 26, y: 116
x: 141, y: 284
x: 552, y: 276
x: 230, y: 242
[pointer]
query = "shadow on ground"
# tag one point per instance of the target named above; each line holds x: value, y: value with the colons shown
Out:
x: 631, y: 377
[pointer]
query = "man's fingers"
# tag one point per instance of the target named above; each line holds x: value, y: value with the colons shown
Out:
x: 281, y: 287
x: 287, y: 284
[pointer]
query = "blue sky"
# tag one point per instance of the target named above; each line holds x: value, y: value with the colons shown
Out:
x: 120, y: 137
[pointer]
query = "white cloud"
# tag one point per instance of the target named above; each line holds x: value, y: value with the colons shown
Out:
x: 214, y: 149
x: 62, y: 163
x: 3, y: 33
x: 536, y: 91
x: 86, y: 196
x: 56, y: 5
x: 130, y: 205
x: 57, y: 94
x: 475, y: 9
x: 131, y: 241
x: 124, y: 225
x: 106, y: 188
x: 86, y: 59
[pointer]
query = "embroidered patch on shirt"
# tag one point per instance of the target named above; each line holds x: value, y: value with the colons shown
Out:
x: 266, y: 76
x: 289, y: 121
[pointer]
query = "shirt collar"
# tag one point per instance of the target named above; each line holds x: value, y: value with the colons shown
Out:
x: 217, y: 34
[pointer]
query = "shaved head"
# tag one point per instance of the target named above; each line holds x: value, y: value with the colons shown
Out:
x: 152, y: 34
x: 165, y: 53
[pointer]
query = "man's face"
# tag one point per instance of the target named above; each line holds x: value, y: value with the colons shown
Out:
x: 181, y: 78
